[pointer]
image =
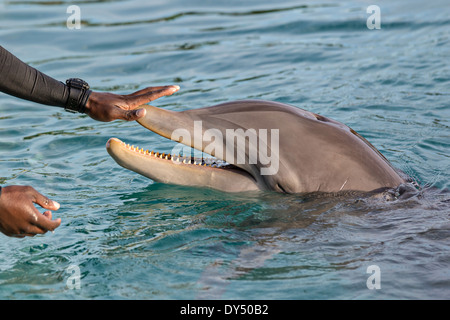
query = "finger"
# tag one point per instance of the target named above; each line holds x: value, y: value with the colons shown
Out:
x: 31, y: 231
x: 17, y: 235
x: 45, y: 224
x: 48, y: 214
x: 128, y: 115
x: 45, y: 202
x: 149, y: 89
x: 144, y: 98
x: 27, y: 230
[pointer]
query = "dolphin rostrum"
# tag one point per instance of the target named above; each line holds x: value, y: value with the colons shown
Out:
x: 258, y: 145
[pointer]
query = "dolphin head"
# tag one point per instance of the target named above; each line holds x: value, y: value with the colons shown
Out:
x: 258, y: 145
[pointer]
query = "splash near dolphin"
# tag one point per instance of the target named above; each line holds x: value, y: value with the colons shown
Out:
x: 258, y: 145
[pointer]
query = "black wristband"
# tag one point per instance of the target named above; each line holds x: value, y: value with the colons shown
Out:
x: 78, y: 95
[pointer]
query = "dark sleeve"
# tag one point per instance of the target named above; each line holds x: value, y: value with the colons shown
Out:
x: 20, y: 80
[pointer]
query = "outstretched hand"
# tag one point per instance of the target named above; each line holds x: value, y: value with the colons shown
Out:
x: 104, y: 106
x: 18, y: 215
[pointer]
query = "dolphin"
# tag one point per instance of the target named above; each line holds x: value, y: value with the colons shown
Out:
x: 258, y: 145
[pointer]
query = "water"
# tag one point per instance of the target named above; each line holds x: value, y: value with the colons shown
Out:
x: 132, y: 238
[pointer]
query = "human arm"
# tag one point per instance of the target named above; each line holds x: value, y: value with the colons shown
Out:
x: 23, y: 81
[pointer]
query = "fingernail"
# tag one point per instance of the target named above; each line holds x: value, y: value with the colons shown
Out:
x: 56, y: 204
x: 176, y: 88
x: 140, y: 113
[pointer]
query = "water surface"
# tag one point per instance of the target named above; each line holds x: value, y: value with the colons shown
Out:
x: 132, y: 238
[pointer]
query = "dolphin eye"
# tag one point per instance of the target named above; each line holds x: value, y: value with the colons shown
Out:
x: 281, y: 188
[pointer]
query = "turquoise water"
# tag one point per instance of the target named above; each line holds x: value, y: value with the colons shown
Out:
x: 131, y: 238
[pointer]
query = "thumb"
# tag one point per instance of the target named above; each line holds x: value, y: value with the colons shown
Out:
x: 131, y: 115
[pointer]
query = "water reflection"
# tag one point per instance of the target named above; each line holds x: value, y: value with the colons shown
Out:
x: 269, y: 236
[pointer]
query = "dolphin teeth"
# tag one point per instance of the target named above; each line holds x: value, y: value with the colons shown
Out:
x: 186, y: 159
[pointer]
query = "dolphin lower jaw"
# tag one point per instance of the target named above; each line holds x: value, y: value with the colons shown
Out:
x: 181, y: 170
